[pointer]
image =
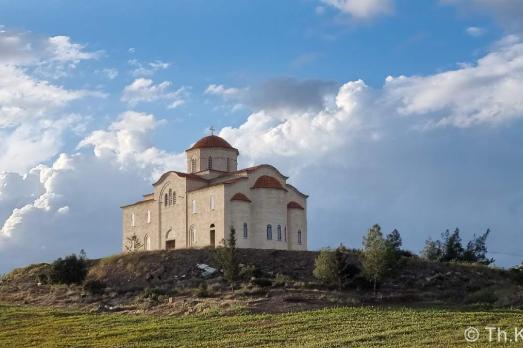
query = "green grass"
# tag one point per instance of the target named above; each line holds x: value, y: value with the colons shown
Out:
x: 338, y: 327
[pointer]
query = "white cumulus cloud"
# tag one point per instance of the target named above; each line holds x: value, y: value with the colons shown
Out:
x: 144, y: 90
x: 362, y: 9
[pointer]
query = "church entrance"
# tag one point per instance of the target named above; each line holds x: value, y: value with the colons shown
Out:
x: 170, y: 244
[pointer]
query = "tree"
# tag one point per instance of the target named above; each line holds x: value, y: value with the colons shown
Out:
x: 334, y: 267
x: 376, y: 256
x: 133, y: 244
x: 432, y: 250
x: 227, y: 258
x: 452, y: 247
x: 393, y: 241
x: 476, y: 250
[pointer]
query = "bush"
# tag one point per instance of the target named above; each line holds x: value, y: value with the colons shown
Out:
x: 333, y: 268
x: 227, y: 258
x: 94, y: 287
x: 249, y: 271
x: 262, y: 282
x: 281, y: 279
x: 483, y: 296
x: 70, y: 270
x: 202, y: 290
x: 153, y: 293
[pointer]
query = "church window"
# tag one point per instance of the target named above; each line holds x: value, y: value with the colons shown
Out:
x: 192, y: 235
x: 279, y: 232
x: 170, y: 197
x: 211, y: 203
x: 245, y: 231
x: 285, y: 233
x: 148, y: 216
x: 133, y: 220
x: 193, y: 165
x: 147, y: 242
x: 228, y: 164
x: 269, y: 232
x: 209, y: 162
x: 174, y: 197
x: 194, y: 206
x: 299, y: 236
x: 166, y: 199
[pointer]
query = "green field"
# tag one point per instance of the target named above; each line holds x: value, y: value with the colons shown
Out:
x: 338, y: 327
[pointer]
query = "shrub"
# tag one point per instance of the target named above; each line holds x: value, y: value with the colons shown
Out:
x: 70, y: 270
x: 262, y: 282
x: 482, y: 296
x: 94, y: 287
x: 333, y: 268
x: 153, y: 293
x: 281, y: 279
x: 202, y: 290
x: 248, y: 271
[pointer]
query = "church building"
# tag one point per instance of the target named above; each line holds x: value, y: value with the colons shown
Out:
x: 198, y: 208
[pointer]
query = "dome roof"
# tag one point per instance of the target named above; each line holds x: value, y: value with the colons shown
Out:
x: 240, y: 197
x: 266, y: 181
x: 212, y: 141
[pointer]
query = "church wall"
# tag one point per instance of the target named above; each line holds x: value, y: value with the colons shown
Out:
x: 205, y: 215
x: 141, y: 227
x: 219, y: 159
x: 297, y: 220
x: 238, y: 213
x: 171, y: 218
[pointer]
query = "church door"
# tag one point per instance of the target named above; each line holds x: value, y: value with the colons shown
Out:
x: 213, y: 238
x: 170, y: 244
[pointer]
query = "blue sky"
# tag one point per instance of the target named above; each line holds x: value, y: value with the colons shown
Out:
x: 403, y: 113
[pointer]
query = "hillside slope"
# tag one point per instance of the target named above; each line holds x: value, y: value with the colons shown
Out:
x: 273, y: 281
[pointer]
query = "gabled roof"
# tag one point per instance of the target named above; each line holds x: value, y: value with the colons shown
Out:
x: 254, y: 168
x: 180, y: 174
x: 240, y: 197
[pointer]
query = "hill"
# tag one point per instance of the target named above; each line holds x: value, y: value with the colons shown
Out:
x: 171, y: 282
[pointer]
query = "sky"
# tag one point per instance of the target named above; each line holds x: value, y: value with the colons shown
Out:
x: 408, y: 114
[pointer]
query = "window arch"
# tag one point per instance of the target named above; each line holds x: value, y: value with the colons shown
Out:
x: 194, y: 206
x: 279, y: 232
x: 212, y: 204
x: 269, y: 232
x: 245, y: 230
x: 193, y: 165
x: 174, y: 197
x: 170, y: 197
x: 209, y: 163
x: 285, y: 233
x: 133, y: 220
x: 166, y: 199
x: 299, y: 236
x: 148, y: 216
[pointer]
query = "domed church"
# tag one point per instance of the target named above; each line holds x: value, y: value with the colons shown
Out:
x: 198, y: 208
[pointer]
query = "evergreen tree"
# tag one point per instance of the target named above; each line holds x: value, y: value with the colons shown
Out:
x: 432, y: 250
x: 227, y: 258
x: 476, y: 250
x: 452, y: 247
x: 376, y: 256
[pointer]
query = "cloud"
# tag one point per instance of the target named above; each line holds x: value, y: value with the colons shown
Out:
x: 110, y: 73
x: 147, y: 69
x: 144, y: 90
x: 61, y: 49
x: 362, y: 9
x: 222, y: 91
x: 475, y: 31
x: 74, y: 203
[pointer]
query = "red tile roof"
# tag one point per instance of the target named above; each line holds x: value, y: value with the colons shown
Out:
x: 266, y: 181
x: 240, y: 197
x: 183, y: 175
x: 294, y: 205
x: 212, y: 141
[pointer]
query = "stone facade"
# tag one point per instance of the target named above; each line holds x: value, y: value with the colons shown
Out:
x: 198, y: 208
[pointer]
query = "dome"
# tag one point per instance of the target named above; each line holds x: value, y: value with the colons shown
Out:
x: 212, y: 141
x: 266, y: 181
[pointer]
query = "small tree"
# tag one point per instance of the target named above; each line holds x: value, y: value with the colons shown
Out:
x: 476, y: 250
x: 333, y: 267
x: 71, y: 269
x: 226, y: 257
x: 376, y: 256
x: 393, y: 241
x: 133, y: 244
x: 452, y: 247
x: 432, y: 250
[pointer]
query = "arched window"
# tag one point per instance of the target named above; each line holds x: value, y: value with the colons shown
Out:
x: 279, y: 232
x: 299, y: 236
x: 192, y: 235
x: 209, y: 164
x: 245, y: 231
x: 193, y: 165
x: 166, y: 199
x: 147, y: 242
x: 194, y: 206
x: 133, y: 220
x: 285, y: 233
x: 269, y: 232
x: 174, y: 197
x: 211, y: 202
x: 148, y: 216
x: 170, y: 197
